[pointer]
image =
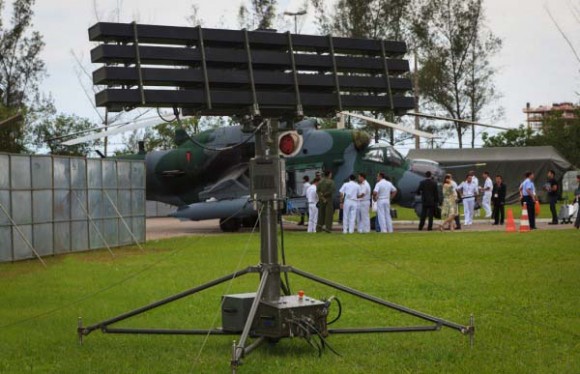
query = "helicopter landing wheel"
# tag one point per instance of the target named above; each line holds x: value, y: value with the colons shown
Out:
x: 230, y: 225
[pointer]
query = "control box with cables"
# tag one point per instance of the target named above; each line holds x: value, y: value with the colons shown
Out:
x: 289, y: 316
x: 292, y: 316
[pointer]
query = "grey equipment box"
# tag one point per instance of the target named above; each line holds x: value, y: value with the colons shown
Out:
x: 284, y: 317
x: 235, y: 310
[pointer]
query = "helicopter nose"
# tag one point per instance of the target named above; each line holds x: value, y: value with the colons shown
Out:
x: 154, y: 186
x: 421, y: 167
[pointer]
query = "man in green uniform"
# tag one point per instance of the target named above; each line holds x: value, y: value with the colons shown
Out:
x: 325, y: 190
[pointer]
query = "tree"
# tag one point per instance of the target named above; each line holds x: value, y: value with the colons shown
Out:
x: 194, y: 18
x: 521, y: 137
x: 21, y: 70
x: 564, y: 135
x: 50, y: 132
x: 561, y: 133
x: 454, y: 50
x: 375, y: 19
x: 260, y: 14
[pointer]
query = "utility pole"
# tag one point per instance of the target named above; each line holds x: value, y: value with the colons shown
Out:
x: 295, y: 15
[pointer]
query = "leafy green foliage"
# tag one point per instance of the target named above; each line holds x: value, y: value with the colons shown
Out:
x: 561, y: 133
x: 376, y: 19
x: 51, y: 131
x: 260, y: 14
x: 520, y: 137
x: 564, y: 135
x: 159, y: 137
x: 21, y: 70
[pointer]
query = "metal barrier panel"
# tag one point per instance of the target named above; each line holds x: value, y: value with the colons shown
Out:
x: 57, y: 204
x: 5, y: 204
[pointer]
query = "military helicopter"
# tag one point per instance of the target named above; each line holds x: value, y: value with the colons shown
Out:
x: 207, y: 175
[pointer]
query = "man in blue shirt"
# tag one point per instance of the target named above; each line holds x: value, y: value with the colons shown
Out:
x: 528, y: 191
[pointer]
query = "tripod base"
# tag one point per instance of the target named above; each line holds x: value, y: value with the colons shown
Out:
x: 286, y: 316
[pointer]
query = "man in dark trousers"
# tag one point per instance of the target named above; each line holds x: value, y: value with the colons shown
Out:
x: 528, y: 192
x: 326, y: 190
x: 429, y: 199
x: 553, y: 191
x: 498, y: 200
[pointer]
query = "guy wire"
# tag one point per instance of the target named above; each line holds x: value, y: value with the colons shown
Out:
x: 229, y: 286
x: 111, y: 286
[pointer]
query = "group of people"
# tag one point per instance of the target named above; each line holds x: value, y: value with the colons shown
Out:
x: 467, y: 192
x: 356, y: 200
x: 493, y: 195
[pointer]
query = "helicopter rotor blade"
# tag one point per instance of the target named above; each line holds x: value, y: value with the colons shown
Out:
x: 430, y: 116
x: 8, y: 120
x: 128, y: 126
x: 391, y: 125
x: 465, y: 165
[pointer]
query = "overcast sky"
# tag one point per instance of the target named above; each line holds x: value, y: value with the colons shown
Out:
x: 536, y: 65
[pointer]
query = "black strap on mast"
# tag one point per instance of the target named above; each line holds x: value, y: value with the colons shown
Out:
x: 299, y: 110
x: 138, y: 62
x: 204, y: 68
x: 335, y: 70
x: 255, y: 107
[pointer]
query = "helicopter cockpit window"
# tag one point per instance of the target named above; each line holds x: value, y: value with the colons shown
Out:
x: 376, y: 155
x: 394, y: 157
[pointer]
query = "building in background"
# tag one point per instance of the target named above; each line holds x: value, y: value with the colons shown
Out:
x: 536, y: 116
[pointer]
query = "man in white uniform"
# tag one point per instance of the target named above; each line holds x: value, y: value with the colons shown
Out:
x: 348, y: 198
x: 468, y: 191
x: 364, y: 203
x: 486, y: 200
x: 312, y: 198
x: 305, y: 185
x: 476, y: 182
x: 383, y: 193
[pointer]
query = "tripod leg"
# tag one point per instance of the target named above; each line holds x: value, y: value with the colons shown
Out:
x: 103, y: 325
x: 240, y: 349
x: 400, y: 308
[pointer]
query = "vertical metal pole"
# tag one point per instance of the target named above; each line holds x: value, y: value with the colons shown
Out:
x: 268, y: 215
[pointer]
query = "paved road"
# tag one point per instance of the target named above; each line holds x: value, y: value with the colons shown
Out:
x: 166, y: 227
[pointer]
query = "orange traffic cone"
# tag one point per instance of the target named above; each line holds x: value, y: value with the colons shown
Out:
x: 510, y: 225
x: 524, y: 223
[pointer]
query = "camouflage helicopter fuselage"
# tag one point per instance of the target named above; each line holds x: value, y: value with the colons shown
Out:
x: 190, y: 174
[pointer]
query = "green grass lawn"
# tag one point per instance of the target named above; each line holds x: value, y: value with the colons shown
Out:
x: 522, y: 288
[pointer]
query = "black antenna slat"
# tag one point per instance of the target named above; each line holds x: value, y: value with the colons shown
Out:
x: 242, y: 99
x: 116, y: 75
x: 237, y: 58
x: 185, y: 36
